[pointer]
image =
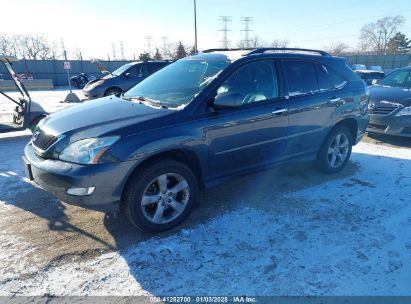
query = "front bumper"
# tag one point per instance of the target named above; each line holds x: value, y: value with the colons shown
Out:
x: 93, y: 93
x: 390, y: 125
x: 57, y: 177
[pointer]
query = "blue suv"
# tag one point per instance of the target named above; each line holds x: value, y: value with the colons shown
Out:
x: 195, y: 123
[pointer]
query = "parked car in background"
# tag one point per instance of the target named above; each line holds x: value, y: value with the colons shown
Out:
x: 196, y: 123
x: 390, y: 104
x: 357, y: 66
x: 376, y: 68
x: 370, y: 76
x: 122, y: 79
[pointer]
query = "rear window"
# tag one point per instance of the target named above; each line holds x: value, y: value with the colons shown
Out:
x: 301, y: 77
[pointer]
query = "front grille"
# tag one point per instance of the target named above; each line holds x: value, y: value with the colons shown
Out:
x: 43, y: 141
x: 382, y: 110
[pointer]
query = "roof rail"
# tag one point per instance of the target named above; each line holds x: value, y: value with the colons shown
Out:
x: 223, y: 50
x: 265, y: 49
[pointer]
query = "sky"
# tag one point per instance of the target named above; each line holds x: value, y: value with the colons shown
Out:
x: 93, y: 26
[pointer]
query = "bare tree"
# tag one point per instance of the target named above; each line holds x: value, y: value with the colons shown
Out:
x: 338, y: 48
x: 279, y: 43
x: 376, y: 35
x: 77, y: 54
x: 252, y: 43
x: 27, y: 46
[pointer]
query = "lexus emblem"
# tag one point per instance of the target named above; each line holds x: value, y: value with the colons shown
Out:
x: 371, y: 106
x: 35, y: 135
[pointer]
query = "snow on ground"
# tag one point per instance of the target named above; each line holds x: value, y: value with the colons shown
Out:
x: 349, y: 236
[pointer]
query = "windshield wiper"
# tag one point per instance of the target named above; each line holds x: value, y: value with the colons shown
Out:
x: 142, y: 99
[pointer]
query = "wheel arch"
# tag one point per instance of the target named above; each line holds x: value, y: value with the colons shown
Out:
x: 183, y: 155
x: 351, y: 124
x: 111, y: 88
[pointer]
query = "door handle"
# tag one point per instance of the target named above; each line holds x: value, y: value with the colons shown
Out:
x: 279, y: 111
x: 335, y: 99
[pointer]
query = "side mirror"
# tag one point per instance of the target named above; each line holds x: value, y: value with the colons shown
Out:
x: 374, y: 81
x: 228, y: 100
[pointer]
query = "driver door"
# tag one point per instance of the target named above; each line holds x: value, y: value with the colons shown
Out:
x: 254, y: 134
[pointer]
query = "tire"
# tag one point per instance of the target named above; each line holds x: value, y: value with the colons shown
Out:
x: 160, y: 210
x: 112, y: 91
x: 335, y: 151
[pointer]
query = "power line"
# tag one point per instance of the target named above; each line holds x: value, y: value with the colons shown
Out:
x: 225, y: 21
x: 247, y: 21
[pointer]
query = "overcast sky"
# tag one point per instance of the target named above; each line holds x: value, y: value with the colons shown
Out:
x: 93, y: 25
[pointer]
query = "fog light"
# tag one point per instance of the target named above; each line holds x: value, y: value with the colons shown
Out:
x: 81, y: 191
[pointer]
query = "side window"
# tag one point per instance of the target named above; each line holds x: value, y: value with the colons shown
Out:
x: 154, y: 67
x: 324, y: 81
x: 301, y: 77
x: 255, y: 82
x: 136, y: 71
x: 336, y: 78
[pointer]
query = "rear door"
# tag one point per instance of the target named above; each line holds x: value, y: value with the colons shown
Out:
x: 256, y: 133
x: 312, y: 102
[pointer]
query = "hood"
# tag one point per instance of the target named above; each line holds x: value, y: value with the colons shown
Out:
x: 390, y: 94
x: 100, y: 116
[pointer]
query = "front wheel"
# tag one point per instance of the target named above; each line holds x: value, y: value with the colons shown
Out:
x: 112, y: 91
x: 335, y: 151
x: 160, y: 196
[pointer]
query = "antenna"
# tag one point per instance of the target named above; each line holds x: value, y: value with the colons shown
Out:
x: 225, y: 21
x: 247, y: 21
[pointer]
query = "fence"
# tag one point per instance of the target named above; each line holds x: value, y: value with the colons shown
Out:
x: 386, y: 61
x: 54, y: 69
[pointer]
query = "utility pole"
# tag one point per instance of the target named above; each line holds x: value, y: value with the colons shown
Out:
x: 113, y: 47
x: 225, y: 21
x: 148, y: 44
x: 195, y: 27
x: 247, y: 21
x: 122, y: 50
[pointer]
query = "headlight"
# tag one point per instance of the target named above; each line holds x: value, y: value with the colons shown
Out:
x: 87, y: 151
x: 404, y: 111
x: 96, y: 84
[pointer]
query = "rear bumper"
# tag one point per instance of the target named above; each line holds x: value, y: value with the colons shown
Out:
x: 390, y: 125
x: 57, y: 177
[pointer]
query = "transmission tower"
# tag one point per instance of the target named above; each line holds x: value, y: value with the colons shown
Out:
x: 148, y: 43
x: 122, y: 50
x: 113, y: 47
x: 225, y: 21
x: 247, y: 21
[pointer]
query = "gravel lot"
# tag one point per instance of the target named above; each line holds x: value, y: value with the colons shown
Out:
x: 287, y: 231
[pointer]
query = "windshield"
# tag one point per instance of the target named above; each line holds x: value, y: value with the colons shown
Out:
x: 399, y: 78
x: 122, y: 69
x: 178, y: 83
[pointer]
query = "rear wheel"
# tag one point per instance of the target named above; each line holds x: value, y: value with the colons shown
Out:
x: 160, y: 196
x: 112, y: 91
x: 335, y: 151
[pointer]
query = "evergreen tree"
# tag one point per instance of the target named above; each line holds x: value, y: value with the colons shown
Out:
x: 192, y: 51
x: 144, y: 56
x: 157, y: 55
x: 181, y: 51
x: 399, y: 44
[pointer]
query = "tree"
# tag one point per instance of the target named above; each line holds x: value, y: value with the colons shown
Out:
x: 157, y: 55
x: 180, y: 52
x: 399, y: 44
x: 28, y: 46
x: 338, y: 48
x: 376, y: 35
x: 252, y: 43
x: 144, y: 56
x: 279, y: 43
x: 192, y: 51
